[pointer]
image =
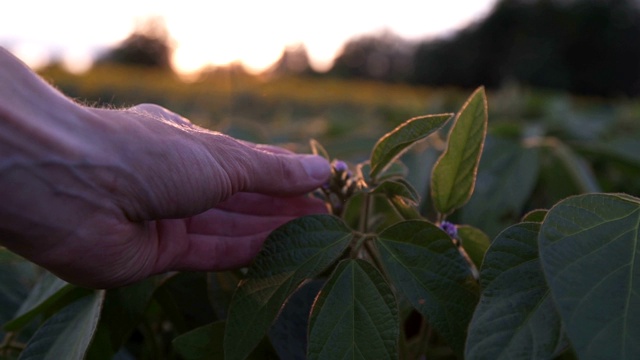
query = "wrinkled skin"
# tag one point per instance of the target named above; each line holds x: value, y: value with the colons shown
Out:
x: 104, y: 198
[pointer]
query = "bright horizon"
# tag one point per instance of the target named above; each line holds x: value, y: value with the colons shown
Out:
x: 219, y: 33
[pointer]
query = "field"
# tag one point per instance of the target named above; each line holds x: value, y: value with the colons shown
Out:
x: 596, y: 139
x: 492, y: 292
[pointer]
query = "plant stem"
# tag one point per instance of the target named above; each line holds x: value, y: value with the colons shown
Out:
x: 355, y: 249
x: 373, y: 254
x: 364, y: 215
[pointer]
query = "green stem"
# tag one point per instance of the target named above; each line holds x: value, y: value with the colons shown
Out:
x: 357, y: 245
x: 373, y: 254
x: 364, y: 216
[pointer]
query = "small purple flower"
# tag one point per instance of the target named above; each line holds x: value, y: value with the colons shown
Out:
x: 450, y: 229
x: 340, y: 166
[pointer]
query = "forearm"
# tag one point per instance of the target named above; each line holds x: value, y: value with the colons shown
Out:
x: 40, y: 150
x: 30, y: 111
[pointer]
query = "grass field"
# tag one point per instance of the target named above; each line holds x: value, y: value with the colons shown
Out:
x: 578, y: 144
x: 347, y: 116
x: 541, y: 148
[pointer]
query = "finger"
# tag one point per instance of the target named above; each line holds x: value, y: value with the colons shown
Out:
x: 280, y: 174
x: 217, y: 253
x: 178, y: 250
x: 265, y: 205
x: 223, y: 223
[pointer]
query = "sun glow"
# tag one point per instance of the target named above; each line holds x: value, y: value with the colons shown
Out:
x: 222, y: 32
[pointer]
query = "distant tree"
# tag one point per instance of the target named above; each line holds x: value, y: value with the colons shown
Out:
x: 148, y: 46
x: 385, y: 57
x: 293, y: 61
x: 583, y: 46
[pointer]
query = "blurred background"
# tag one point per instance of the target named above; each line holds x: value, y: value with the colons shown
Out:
x: 563, y: 77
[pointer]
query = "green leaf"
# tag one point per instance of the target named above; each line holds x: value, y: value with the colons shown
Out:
x: 383, y: 213
x: 516, y: 317
x: 205, y: 343
x: 288, y: 334
x: 407, y: 210
x: 299, y: 250
x: 507, y: 176
x: 398, y: 188
x: 318, y: 149
x: 425, y: 265
x: 220, y: 286
x: 67, y: 334
x: 395, y: 170
x: 474, y: 242
x: 201, y: 343
x: 454, y: 174
x: 394, y: 143
x: 16, y: 279
x: 184, y: 300
x: 576, y: 166
x: 355, y: 316
x: 535, y: 216
x: 590, y: 254
x: 47, y: 292
x: 352, y: 212
x: 122, y: 312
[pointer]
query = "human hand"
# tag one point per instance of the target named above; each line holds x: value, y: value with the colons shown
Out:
x: 103, y: 198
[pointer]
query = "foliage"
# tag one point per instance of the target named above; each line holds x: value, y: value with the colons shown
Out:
x: 503, y: 246
x: 542, y: 43
x: 148, y: 46
x: 383, y: 57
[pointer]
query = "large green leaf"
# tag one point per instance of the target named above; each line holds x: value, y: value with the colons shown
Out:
x: 201, y: 343
x: 454, y: 174
x: 67, y: 334
x: 394, y: 143
x: 507, y: 176
x: 205, y: 343
x: 299, y: 250
x: 516, y: 317
x: 122, y: 312
x: 590, y: 253
x: 355, y: 316
x: 16, y: 278
x: 46, y: 294
x: 425, y: 265
x: 536, y: 215
x: 220, y: 286
x: 576, y: 166
x: 288, y: 334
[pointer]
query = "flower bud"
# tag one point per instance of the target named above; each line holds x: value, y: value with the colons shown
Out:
x: 340, y: 166
x: 450, y: 229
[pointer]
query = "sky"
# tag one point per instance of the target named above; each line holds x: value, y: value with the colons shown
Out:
x: 207, y: 32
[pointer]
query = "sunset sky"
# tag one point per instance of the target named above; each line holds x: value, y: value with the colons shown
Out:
x: 220, y: 32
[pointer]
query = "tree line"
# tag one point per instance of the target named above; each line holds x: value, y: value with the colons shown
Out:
x: 583, y: 46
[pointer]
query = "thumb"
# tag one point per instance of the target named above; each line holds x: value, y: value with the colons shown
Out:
x: 257, y: 169
x: 286, y: 174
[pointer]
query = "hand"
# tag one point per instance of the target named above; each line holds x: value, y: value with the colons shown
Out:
x: 103, y: 198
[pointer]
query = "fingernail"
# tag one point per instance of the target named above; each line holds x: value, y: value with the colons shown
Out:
x: 316, y: 167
